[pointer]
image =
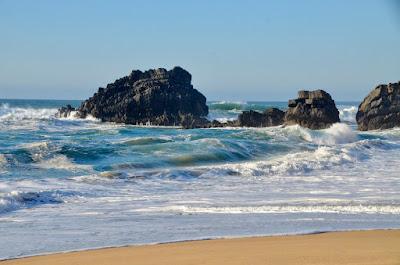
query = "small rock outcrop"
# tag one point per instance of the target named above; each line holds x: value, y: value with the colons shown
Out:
x: 380, y: 109
x: 270, y: 117
x: 153, y: 97
x: 65, y: 112
x: 312, y: 109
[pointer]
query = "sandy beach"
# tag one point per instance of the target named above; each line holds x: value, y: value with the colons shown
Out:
x: 356, y: 247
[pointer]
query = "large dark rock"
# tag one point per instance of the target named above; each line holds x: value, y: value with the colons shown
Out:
x: 156, y: 97
x: 312, y: 109
x: 380, y: 109
x: 270, y: 117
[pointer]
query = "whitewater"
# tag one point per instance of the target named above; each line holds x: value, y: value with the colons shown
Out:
x: 68, y: 184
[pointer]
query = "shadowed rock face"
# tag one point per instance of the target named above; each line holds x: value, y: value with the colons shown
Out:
x: 380, y: 109
x: 270, y: 117
x: 312, y: 109
x: 157, y: 97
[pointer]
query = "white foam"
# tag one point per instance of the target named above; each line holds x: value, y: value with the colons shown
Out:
x: 73, y: 115
x: 348, y: 114
x: 61, y: 162
x: 209, y: 141
x: 38, y: 150
x: 16, y: 199
x: 35, y: 145
x: 323, y: 157
x: 338, y: 133
x: 8, y: 113
x: 342, y: 209
x: 223, y: 120
x: 106, y: 176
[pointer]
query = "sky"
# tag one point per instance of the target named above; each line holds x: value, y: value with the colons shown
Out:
x: 235, y: 50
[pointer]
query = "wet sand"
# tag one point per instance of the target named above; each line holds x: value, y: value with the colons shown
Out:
x: 355, y: 247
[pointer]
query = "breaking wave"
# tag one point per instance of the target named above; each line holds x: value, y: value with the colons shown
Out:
x: 73, y: 115
x: 237, y: 106
x: 62, y: 162
x: 17, y: 199
x: 8, y: 113
x: 226, y: 105
x: 325, y: 157
x: 348, y: 114
x: 338, y: 133
x: 275, y: 209
x: 29, y: 115
x: 291, y: 164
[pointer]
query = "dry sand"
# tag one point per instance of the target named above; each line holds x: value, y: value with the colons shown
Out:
x: 357, y: 247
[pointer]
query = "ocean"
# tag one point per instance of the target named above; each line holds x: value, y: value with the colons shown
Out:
x: 68, y: 184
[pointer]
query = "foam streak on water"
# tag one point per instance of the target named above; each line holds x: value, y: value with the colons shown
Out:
x: 73, y: 184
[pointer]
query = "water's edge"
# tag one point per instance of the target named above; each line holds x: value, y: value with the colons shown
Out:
x: 189, y: 240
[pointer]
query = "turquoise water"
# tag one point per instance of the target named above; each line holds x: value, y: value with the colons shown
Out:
x: 72, y: 184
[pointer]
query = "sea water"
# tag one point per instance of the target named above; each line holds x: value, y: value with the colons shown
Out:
x: 68, y: 184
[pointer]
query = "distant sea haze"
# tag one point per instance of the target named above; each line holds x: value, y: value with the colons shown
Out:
x: 80, y: 183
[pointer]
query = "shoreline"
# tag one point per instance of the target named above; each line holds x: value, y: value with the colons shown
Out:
x: 385, y: 241
x: 188, y: 240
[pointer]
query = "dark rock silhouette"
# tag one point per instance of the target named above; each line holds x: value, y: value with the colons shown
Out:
x: 270, y: 117
x: 380, y: 109
x: 167, y: 98
x: 65, y: 112
x: 312, y: 109
x: 153, y: 97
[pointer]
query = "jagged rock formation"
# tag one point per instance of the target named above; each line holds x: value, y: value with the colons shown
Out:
x: 156, y: 97
x: 380, y: 109
x: 167, y: 98
x: 312, y: 109
x: 65, y: 112
x: 270, y: 117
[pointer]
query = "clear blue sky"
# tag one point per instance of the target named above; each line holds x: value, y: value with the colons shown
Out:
x: 235, y: 50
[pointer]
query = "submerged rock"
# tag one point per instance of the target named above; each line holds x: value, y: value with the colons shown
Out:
x: 153, y: 97
x: 380, y: 109
x: 270, y: 117
x: 312, y: 109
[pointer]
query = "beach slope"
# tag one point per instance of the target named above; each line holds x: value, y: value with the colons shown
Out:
x: 356, y: 247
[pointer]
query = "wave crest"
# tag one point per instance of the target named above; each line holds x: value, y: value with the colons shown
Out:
x: 8, y: 113
x: 17, y: 199
x: 348, y: 114
x: 338, y: 133
x: 320, y: 208
x: 61, y: 162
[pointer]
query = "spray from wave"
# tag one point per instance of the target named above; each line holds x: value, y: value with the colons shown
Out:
x: 348, y: 114
x: 8, y: 113
x: 338, y: 133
